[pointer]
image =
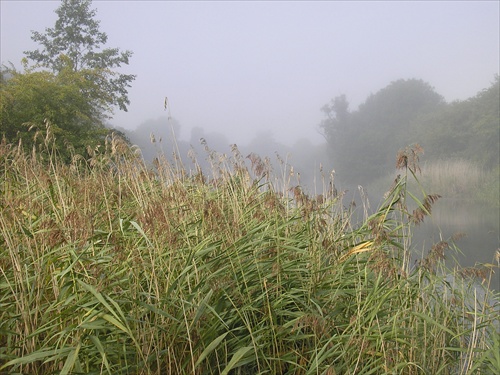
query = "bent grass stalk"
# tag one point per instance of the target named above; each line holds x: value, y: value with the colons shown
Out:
x: 110, y: 266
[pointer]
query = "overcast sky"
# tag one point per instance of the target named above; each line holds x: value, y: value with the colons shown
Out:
x: 247, y: 67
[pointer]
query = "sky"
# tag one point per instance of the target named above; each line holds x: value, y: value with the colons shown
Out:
x: 265, y: 68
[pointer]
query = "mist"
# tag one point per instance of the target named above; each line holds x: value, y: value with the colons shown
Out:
x: 285, y: 178
x: 302, y: 162
x: 259, y: 74
x: 246, y: 68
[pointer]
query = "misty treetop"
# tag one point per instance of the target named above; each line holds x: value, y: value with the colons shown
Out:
x: 362, y: 142
x: 468, y: 129
x: 77, y: 36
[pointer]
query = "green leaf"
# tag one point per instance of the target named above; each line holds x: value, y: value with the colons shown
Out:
x: 70, y: 360
x: 211, y: 347
x: 233, y: 363
x: 38, y: 355
x: 100, y: 348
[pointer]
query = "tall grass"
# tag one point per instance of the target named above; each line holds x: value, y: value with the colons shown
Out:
x: 110, y: 266
x: 458, y: 179
x: 454, y: 178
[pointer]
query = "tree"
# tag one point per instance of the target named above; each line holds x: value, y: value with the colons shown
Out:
x: 31, y: 100
x: 363, y: 142
x: 77, y: 37
x: 337, y: 113
x: 467, y: 129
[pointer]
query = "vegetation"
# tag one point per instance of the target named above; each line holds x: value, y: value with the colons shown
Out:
x: 30, y: 101
x: 78, y: 92
x: 108, y: 266
x: 452, y: 177
x: 362, y: 142
x: 456, y: 179
x: 76, y: 36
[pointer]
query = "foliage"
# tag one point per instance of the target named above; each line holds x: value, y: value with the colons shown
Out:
x: 405, y: 112
x: 31, y: 100
x: 490, y: 190
x: 466, y: 129
x: 108, y: 266
x: 76, y: 96
x: 363, y: 142
x: 77, y: 37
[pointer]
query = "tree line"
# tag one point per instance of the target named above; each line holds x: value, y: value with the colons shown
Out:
x: 72, y: 83
x: 362, y: 142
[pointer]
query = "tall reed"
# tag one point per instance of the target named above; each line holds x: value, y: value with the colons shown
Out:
x: 110, y: 266
x: 456, y: 178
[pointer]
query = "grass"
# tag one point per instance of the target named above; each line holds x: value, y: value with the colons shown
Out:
x: 457, y: 179
x: 454, y: 178
x: 110, y: 266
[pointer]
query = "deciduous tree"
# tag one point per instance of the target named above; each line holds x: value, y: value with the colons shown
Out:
x: 363, y: 142
x: 76, y: 35
x: 31, y: 100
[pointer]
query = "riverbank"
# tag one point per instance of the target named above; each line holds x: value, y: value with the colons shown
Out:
x: 109, y: 265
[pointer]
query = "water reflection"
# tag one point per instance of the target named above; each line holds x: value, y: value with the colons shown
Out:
x: 479, y: 223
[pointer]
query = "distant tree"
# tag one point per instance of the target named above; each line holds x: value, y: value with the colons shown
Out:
x: 486, y: 126
x: 336, y: 123
x: 155, y: 136
x: 467, y: 129
x: 200, y: 140
x: 363, y: 143
x: 76, y: 36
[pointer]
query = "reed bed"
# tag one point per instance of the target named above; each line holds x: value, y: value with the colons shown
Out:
x: 111, y: 266
x: 455, y: 178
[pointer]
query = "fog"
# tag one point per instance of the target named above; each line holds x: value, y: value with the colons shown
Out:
x: 257, y: 74
x: 241, y: 70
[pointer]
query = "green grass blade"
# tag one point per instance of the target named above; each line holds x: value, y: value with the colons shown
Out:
x: 211, y: 347
x: 233, y: 363
x: 70, y: 360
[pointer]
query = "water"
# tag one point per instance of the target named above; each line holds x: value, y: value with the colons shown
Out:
x: 480, y: 224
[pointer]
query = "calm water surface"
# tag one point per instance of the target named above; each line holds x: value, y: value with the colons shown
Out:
x: 480, y: 224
